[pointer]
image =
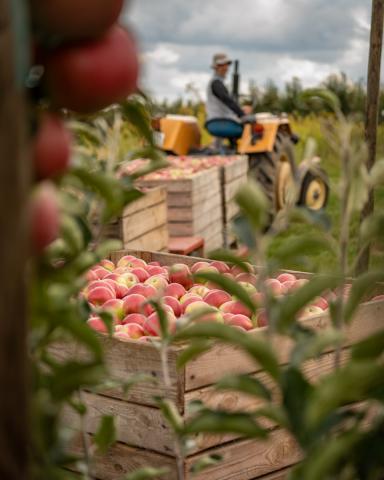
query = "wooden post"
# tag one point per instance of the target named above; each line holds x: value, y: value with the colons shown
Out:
x: 372, y: 108
x: 14, y: 179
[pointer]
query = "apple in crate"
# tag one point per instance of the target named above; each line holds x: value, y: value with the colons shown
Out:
x: 130, y: 331
x: 138, y: 318
x: 99, y: 295
x: 199, y: 290
x: 115, y: 307
x: 152, y: 324
x: 148, y: 291
x: 157, y: 281
x: 235, y: 307
x: 216, y: 298
x: 136, y: 303
x: 175, y: 290
x: 180, y: 273
x: 239, y: 321
x: 97, y: 324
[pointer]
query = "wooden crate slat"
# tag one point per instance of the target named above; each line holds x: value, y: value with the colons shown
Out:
x: 247, y: 459
x: 230, y: 189
x: 228, y: 359
x: 137, y: 224
x: 156, y: 239
x: 278, y: 475
x: 194, y: 213
x: 121, y: 460
x: 136, y: 425
x: 235, y: 169
x: 152, y: 197
x: 195, y: 197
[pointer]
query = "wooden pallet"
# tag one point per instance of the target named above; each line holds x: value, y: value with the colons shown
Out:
x: 144, y: 438
x: 143, y: 224
x: 194, y: 206
x: 233, y: 176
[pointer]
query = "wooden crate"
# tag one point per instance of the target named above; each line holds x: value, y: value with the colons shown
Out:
x: 233, y: 176
x: 143, y: 224
x: 194, y: 206
x: 144, y: 437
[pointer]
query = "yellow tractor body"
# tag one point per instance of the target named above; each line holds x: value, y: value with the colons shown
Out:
x: 181, y: 134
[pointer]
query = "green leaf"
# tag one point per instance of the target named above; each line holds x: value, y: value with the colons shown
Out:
x: 205, y: 462
x: 193, y: 351
x: 108, y: 321
x: 292, y: 304
x: 253, y: 203
x: 229, y: 286
x: 244, y: 231
x: 360, y: 289
x: 215, y: 421
x: 328, y: 458
x: 147, y: 473
x: 372, y: 229
x: 355, y: 382
x: 245, y: 384
x: 71, y: 234
x: 369, y: 348
x: 136, y: 113
x: 171, y: 414
x: 317, y: 218
x: 330, y: 99
x: 85, y: 335
x: 307, y: 348
x: 258, y: 349
x: 104, y: 249
x: 105, y: 435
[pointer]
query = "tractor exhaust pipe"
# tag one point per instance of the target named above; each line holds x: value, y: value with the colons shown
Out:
x: 236, y: 81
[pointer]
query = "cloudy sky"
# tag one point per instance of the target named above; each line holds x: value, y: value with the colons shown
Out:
x: 275, y: 39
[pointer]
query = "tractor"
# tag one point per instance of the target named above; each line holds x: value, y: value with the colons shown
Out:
x: 268, y: 142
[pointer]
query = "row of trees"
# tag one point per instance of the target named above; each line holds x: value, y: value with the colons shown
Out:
x: 352, y: 97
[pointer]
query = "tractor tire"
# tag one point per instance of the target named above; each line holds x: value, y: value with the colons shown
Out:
x: 273, y: 171
x: 314, y: 190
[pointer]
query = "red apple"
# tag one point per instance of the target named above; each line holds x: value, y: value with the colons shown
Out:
x: 51, y: 147
x: 199, y: 290
x: 70, y: 20
x: 148, y: 291
x: 286, y: 277
x: 107, y: 264
x: 128, y: 279
x: 140, y: 273
x: 99, y: 295
x: 125, y: 261
x: 377, y: 298
x: 235, y: 307
x: 261, y: 318
x: 44, y: 217
x: 220, y: 266
x: 152, y: 324
x: 97, y: 324
x: 240, y: 321
x: 138, y: 318
x: 155, y: 270
x: 180, y: 273
x: 175, y: 290
x: 114, y: 306
x: 236, y: 270
x: 321, y: 302
x: 134, y: 303
x: 248, y: 287
x: 174, y: 304
x: 274, y: 286
x: 247, y: 277
x: 188, y: 299
x: 216, y: 298
x: 131, y: 331
x: 157, y: 281
x: 199, y: 265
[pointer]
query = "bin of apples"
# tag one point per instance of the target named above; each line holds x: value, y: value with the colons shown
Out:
x: 179, y: 167
x: 126, y: 289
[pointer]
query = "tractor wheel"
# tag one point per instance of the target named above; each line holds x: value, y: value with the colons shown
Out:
x: 314, y: 191
x: 273, y: 170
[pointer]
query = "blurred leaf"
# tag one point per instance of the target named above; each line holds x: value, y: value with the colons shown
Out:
x: 326, y: 459
x: 105, y: 435
x: 216, y: 421
x: 147, y: 473
x: 205, y: 462
x: 292, y: 304
x: 372, y: 229
x: 192, y: 351
x: 245, y: 384
x: 296, y: 392
x: 318, y: 218
x: 104, y: 249
x: 355, y: 382
x: 369, y: 348
x: 253, y: 203
x: 163, y: 319
x: 326, y: 96
x: 171, y: 414
x: 360, y: 288
x: 313, y: 347
x: 244, y: 231
x: 274, y: 413
x: 108, y: 320
x: 258, y: 349
x: 158, y: 162
x: 72, y: 234
x: 85, y: 335
x: 136, y: 113
x: 359, y: 189
x: 229, y: 286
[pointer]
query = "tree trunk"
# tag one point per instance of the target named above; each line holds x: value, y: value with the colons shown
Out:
x: 372, y: 108
x: 14, y: 179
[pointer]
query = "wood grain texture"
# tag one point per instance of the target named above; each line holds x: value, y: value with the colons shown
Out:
x: 14, y: 185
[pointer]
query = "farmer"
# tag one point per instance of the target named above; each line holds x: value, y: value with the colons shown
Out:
x: 224, y: 115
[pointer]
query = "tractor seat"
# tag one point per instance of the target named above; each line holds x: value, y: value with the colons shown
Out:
x: 224, y: 128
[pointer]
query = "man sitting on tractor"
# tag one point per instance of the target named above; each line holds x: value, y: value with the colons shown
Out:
x: 225, y: 117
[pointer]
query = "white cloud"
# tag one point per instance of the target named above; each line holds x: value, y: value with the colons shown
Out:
x: 273, y: 39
